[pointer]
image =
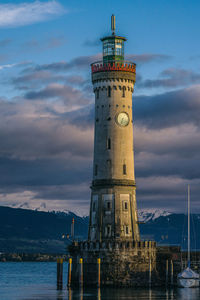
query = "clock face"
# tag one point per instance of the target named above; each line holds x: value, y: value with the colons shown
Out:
x: 123, y: 119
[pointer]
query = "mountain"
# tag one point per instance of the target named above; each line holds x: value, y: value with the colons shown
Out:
x: 33, y: 231
x: 146, y: 215
x: 172, y: 230
x: 23, y: 230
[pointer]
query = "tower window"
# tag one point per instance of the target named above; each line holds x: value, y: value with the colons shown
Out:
x: 108, y: 230
x: 94, y: 206
x: 126, y: 229
x: 123, y: 91
x: 108, y: 205
x: 96, y: 170
x: 109, y: 91
x: 97, y: 94
x: 108, y: 144
x: 125, y: 205
x: 124, y: 169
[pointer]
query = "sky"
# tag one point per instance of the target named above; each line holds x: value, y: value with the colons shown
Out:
x: 47, y: 101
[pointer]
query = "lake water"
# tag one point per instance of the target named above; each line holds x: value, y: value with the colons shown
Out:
x: 37, y: 281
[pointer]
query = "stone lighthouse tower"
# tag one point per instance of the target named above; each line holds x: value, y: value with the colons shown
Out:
x: 113, y: 253
x: 113, y: 211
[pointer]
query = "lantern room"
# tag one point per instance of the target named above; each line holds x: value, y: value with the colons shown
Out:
x: 113, y: 46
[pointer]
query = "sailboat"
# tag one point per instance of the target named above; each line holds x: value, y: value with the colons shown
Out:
x: 188, y: 278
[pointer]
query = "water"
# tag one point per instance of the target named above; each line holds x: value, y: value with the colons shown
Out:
x: 37, y: 281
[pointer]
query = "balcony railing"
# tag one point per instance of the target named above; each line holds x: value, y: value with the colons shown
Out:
x: 101, y: 66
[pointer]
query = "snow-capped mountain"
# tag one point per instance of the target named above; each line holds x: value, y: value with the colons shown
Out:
x: 144, y: 215
x: 25, y: 205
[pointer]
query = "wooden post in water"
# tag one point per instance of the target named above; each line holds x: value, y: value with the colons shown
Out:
x: 81, y: 272
x: 99, y: 294
x: 59, y: 274
x: 69, y: 294
x: 150, y: 269
x: 172, y: 273
x: 98, y: 272
x: 69, y: 272
x: 167, y: 271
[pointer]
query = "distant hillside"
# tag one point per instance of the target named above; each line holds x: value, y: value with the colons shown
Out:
x: 172, y: 229
x: 32, y: 231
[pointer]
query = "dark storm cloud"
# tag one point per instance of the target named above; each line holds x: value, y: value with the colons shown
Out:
x: 168, y: 109
x: 167, y: 192
x: 46, y: 146
x: 36, y: 173
x: 157, y: 165
x: 172, y: 78
x: 55, y: 192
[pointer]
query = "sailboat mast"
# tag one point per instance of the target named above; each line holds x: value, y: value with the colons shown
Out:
x: 188, y: 225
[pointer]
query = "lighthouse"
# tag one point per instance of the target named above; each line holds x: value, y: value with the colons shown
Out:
x: 113, y: 254
x: 113, y: 209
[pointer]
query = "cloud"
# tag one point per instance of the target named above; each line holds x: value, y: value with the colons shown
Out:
x: 35, y: 80
x: 71, y: 96
x: 180, y: 142
x: 15, y: 15
x: 47, y: 145
x: 172, y: 78
x: 42, y: 152
x: 35, y: 45
x: 31, y: 199
x: 21, y: 64
x: 5, y: 42
x: 81, y: 62
x: 7, y: 66
x: 168, y: 109
x: 148, y: 58
x: 36, y: 130
x: 92, y: 43
x: 167, y: 192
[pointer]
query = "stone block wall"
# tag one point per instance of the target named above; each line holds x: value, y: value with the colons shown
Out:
x: 122, y: 264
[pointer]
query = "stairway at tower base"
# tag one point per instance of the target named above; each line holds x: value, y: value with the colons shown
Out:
x: 123, y: 264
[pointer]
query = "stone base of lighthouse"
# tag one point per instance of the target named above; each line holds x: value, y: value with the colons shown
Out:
x: 121, y: 263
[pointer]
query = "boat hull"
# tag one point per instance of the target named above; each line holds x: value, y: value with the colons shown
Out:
x: 188, y: 282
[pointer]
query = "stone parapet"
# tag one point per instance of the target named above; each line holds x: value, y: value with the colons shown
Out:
x: 113, y: 75
x: 114, y: 245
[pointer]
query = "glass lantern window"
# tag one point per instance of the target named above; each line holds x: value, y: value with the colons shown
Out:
x: 114, y: 48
